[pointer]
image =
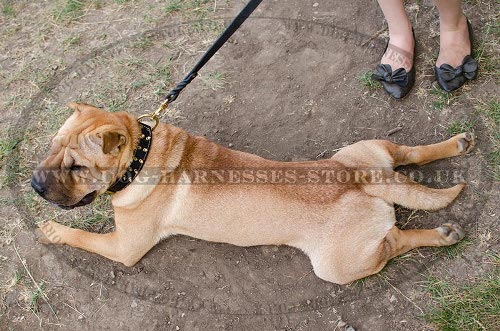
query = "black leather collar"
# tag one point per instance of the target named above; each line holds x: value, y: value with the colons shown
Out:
x: 140, y: 154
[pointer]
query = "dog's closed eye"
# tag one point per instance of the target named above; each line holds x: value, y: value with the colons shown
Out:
x: 76, y: 167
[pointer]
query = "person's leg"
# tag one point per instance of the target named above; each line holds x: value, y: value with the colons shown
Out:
x: 399, y: 53
x: 454, y: 36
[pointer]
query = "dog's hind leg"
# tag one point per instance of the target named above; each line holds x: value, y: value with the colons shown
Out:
x: 399, y: 189
x: 398, y: 242
x: 395, y: 243
x: 115, y: 246
x: 458, y: 145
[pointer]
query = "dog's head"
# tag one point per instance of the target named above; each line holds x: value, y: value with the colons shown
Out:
x: 88, y: 153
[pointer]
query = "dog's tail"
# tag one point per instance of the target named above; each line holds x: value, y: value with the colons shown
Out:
x: 401, y: 190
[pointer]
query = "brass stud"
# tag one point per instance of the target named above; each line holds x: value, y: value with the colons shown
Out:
x: 141, y: 161
x: 148, y: 138
x: 142, y: 136
x: 135, y: 159
x: 144, y: 149
x: 135, y: 171
x: 124, y: 178
x: 130, y: 180
x: 129, y: 169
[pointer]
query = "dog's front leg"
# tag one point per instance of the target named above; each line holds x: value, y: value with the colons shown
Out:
x: 115, y: 246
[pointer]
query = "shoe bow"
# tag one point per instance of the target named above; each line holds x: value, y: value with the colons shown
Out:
x: 385, y: 73
x: 467, y: 69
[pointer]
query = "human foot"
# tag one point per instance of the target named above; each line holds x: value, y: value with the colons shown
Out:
x: 396, y: 71
x: 399, y: 52
x: 455, y: 64
x: 454, y: 43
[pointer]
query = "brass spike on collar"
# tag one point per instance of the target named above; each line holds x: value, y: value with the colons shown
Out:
x: 139, y: 158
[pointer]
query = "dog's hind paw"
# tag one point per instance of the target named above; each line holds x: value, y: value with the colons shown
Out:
x: 451, y: 233
x: 465, y: 142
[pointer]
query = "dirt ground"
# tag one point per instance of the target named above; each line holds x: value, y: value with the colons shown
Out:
x: 288, y: 86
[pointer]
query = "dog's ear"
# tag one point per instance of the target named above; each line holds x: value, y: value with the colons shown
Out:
x: 112, y: 141
x: 78, y: 106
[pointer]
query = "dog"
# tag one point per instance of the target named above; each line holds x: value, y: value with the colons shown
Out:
x: 345, y: 224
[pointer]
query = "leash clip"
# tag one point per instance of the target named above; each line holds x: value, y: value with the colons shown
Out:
x: 155, y: 116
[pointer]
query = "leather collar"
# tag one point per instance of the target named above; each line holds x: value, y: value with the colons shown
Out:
x: 140, y: 154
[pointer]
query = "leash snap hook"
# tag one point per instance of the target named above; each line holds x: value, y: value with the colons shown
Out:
x: 147, y: 118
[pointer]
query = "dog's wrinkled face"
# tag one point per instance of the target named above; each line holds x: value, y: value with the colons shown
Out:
x: 87, y: 154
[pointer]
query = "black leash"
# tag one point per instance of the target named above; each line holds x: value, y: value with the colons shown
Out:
x: 141, y: 151
x: 235, y: 24
x: 174, y: 93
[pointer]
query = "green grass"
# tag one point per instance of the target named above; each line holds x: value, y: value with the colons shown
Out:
x: 455, y: 250
x: 214, y: 80
x: 7, y: 146
x: 68, y: 10
x: 190, y: 8
x: 143, y: 43
x: 475, y: 306
x: 163, y: 78
x: 174, y: 6
x: 441, y: 98
x: 485, y: 53
x: 34, y: 297
x: 491, y: 110
x: 8, y: 9
x: 18, y: 277
x: 460, y: 126
x: 367, y: 80
x: 72, y: 41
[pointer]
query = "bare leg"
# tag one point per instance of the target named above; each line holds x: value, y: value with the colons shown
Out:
x: 454, y: 36
x: 399, y: 53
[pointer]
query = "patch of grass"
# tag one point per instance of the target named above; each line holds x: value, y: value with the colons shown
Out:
x: 442, y: 98
x: 485, y: 52
x: 143, y: 43
x: 492, y: 111
x: 460, y: 126
x: 68, y: 10
x: 191, y: 8
x: 8, y: 9
x: 475, y: 306
x: 214, y: 80
x: 7, y: 146
x: 164, y: 77
x: 72, y: 41
x: 174, y: 6
x: 17, y: 278
x: 367, y: 80
x: 454, y: 251
x: 34, y: 296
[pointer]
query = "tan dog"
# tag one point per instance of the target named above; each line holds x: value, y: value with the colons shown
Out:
x: 345, y: 226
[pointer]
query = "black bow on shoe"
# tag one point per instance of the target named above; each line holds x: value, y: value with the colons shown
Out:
x: 384, y: 73
x: 468, y: 69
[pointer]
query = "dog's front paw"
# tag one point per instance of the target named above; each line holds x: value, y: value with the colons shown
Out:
x: 47, y: 233
x: 465, y: 142
x: 451, y: 233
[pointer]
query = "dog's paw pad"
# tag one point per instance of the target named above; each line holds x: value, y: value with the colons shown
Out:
x: 465, y: 142
x: 451, y: 233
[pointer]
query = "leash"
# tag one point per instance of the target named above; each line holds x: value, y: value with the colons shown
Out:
x: 221, y: 40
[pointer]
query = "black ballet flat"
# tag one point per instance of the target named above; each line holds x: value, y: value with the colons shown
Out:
x: 398, y: 82
x: 449, y: 78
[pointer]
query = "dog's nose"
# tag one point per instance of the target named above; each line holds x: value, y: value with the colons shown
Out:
x: 37, y: 186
